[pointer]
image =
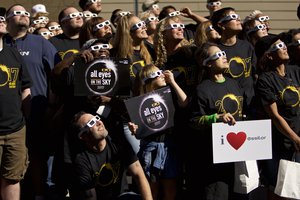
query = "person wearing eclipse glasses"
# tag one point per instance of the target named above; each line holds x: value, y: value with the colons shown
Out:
x: 38, y: 53
x: 240, y: 54
x: 278, y: 90
x: 101, y: 166
x: 163, y: 170
x: 95, y: 6
x: 14, y: 109
x: 217, y: 99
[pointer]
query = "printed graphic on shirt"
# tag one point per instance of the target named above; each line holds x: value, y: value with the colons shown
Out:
x: 239, y: 66
x: 107, y: 174
x: 290, y: 96
x: 230, y: 104
x: 68, y: 53
x: 8, y: 76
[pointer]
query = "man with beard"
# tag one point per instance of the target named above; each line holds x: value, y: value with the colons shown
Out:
x: 15, y: 97
x: 40, y: 57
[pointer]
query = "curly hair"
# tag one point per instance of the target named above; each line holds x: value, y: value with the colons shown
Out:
x: 160, y: 40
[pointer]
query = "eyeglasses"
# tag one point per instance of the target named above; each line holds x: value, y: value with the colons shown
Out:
x: 175, y: 13
x: 229, y: 18
x: 46, y: 33
x: 72, y: 15
x: 102, y: 25
x: 175, y: 25
x: 124, y: 13
x: 43, y: 18
x: 139, y: 25
x: 19, y: 13
x: 92, y: 1
x: 2, y: 19
x: 153, y: 75
x: 276, y: 47
x: 54, y: 27
x: 155, y: 6
x: 257, y: 28
x: 151, y: 19
x: 264, y: 18
x: 38, y: 21
x: 88, y: 15
x: 210, y: 28
x: 216, y: 56
x: 216, y: 3
x: 100, y: 47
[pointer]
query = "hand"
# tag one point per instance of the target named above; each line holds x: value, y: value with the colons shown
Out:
x: 87, y: 56
x: 132, y: 127
x: 227, y: 118
x: 169, y: 76
x: 186, y: 12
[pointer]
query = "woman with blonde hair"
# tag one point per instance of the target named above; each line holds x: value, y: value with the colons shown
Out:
x: 205, y: 32
x: 128, y: 43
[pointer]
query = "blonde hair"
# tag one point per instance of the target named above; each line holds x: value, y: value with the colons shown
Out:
x: 123, y: 41
x: 201, y: 33
x: 147, y: 86
x: 160, y: 40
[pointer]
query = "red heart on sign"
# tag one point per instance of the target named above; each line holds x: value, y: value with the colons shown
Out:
x: 236, y: 140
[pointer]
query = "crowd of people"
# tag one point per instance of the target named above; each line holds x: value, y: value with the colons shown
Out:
x: 56, y: 144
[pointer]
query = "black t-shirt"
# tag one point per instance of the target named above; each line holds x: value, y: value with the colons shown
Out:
x: 105, y: 171
x: 65, y: 46
x: 271, y: 87
x: 213, y: 97
x: 14, y: 78
x: 242, y: 64
x: 226, y: 97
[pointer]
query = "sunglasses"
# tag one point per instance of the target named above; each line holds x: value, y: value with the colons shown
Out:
x: 38, y: 21
x: 88, y: 15
x: 19, y: 13
x: 155, y: 6
x: 216, y: 3
x: 216, y: 56
x: 276, y: 47
x: 153, y: 75
x: 72, y: 15
x: 93, y: 1
x: 257, y: 28
x: 139, y: 25
x: 102, y: 25
x: 175, y: 13
x: 124, y: 13
x: 151, y: 19
x: 175, y: 25
x: 100, y: 47
x: 54, y: 27
x: 2, y: 19
x: 43, y: 18
x: 264, y: 18
x: 229, y: 18
x: 47, y: 33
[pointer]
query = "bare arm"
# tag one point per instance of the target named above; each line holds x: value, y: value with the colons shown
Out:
x: 26, y: 97
x: 186, y: 12
x: 182, y: 97
x: 282, y: 125
x: 139, y: 177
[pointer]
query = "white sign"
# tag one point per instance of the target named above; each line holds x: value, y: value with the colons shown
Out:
x: 246, y: 140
